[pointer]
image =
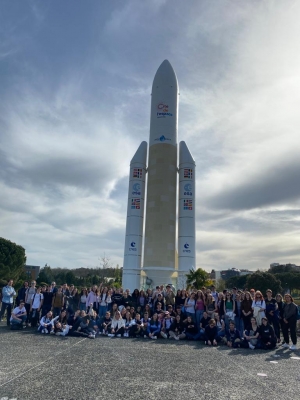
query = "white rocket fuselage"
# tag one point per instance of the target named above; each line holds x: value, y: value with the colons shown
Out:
x: 160, y: 228
x: 160, y: 244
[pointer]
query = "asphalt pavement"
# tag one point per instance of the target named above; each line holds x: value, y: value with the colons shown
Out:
x: 36, y: 366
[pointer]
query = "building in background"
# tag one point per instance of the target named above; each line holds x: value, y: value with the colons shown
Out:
x: 32, y: 271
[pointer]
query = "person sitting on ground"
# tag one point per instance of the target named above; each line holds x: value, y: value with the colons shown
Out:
x: 211, y: 333
x: 46, y: 323
x: 153, y: 328
x: 59, y: 329
x: 95, y: 323
x: 267, y: 336
x: 135, y: 328
x: 166, y: 325
x: 220, y: 324
x: 233, y: 337
x: 18, y: 316
x: 177, y: 329
x: 203, y: 323
x: 145, y: 323
x: 250, y: 339
x: 117, y: 325
x: 190, y: 329
x: 84, y: 326
x: 74, y: 323
x: 128, y: 322
x: 106, y: 324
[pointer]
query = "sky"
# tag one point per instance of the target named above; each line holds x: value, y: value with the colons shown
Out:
x: 75, y: 85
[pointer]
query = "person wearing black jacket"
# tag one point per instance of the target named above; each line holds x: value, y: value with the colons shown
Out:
x: 177, y: 328
x: 290, y: 312
x: 211, y: 333
x: 117, y: 297
x: 47, y: 303
x: 22, y: 293
x: 190, y: 329
x: 267, y: 336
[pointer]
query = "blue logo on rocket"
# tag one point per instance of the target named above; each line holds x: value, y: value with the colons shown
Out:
x: 132, y: 246
x: 188, y: 189
x: 136, y: 189
x: 162, y: 138
x: 186, y: 248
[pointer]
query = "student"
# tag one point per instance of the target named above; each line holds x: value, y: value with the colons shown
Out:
x: 229, y: 309
x: 145, y: 322
x: 250, y: 336
x: 8, y: 293
x: 220, y: 324
x: 153, y: 328
x: 82, y: 299
x: 46, y: 323
x: 204, y: 321
x: 47, y: 303
x: 166, y: 325
x: 290, y: 312
x: 211, y: 307
x: 177, y: 329
x: 59, y: 329
x: 117, y: 325
x: 247, y: 311
x: 239, y: 324
x: 272, y: 313
x: 135, y: 329
x: 199, y: 307
x: 35, y: 307
x: 30, y: 291
x: 190, y: 329
x: 233, y: 337
x: 103, y: 302
x: 211, y: 333
x: 18, y: 316
x: 128, y: 322
x: 258, y: 307
x: 93, y: 299
x: 57, y: 302
x: 106, y: 324
x: 267, y: 336
x: 189, y: 306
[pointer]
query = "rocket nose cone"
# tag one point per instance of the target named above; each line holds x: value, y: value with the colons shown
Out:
x: 165, y: 75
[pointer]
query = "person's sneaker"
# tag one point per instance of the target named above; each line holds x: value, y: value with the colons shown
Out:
x: 293, y: 347
x: 52, y: 333
x: 164, y: 335
x: 118, y: 335
x: 154, y: 337
x: 176, y: 338
x: 145, y: 336
x: 251, y: 346
x: 92, y: 336
x: 110, y: 335
x: 43, y: 331
x: 103, y: 332
x: 285, y: 346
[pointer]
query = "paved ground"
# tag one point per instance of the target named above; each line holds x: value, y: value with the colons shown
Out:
x: 40, y: 366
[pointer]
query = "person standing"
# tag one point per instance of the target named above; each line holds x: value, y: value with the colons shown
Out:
x: 8, y: 293
x: 29, y: 293
x: 290, y: 312
x: 22, y: 293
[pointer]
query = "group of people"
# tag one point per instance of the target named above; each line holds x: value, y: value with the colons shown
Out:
x: 235, y: 318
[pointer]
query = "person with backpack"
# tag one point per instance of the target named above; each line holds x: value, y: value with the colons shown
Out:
x: 8, y: 293
x: 57, y: 302
x: 29, y: 293
x: 35, y: 307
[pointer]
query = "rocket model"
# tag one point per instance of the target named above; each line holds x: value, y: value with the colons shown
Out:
x: 165, y: 259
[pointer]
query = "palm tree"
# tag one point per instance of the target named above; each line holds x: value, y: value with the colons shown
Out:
x: 197, y: 278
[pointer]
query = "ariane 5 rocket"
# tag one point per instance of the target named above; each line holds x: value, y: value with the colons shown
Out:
x: 167, y: 257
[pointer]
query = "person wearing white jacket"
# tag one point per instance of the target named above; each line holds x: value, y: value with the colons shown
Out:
x: 117, y: 325
x: 46, y: 323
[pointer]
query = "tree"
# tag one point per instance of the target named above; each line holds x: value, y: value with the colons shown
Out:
x: 45, y: 275
x: 197, y: 278
x: 289, y: 280
x: 263, y: 281
x: 239, y: 281
x: 12, y: 260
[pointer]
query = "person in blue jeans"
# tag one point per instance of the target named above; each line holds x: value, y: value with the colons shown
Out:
x: 19, y: 316
x: 8, y: 293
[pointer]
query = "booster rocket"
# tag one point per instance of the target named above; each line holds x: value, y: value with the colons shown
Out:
x: 163, y: 261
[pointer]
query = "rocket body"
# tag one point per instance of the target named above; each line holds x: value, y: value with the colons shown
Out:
x: 160, y: 228
x: 160, y: 260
